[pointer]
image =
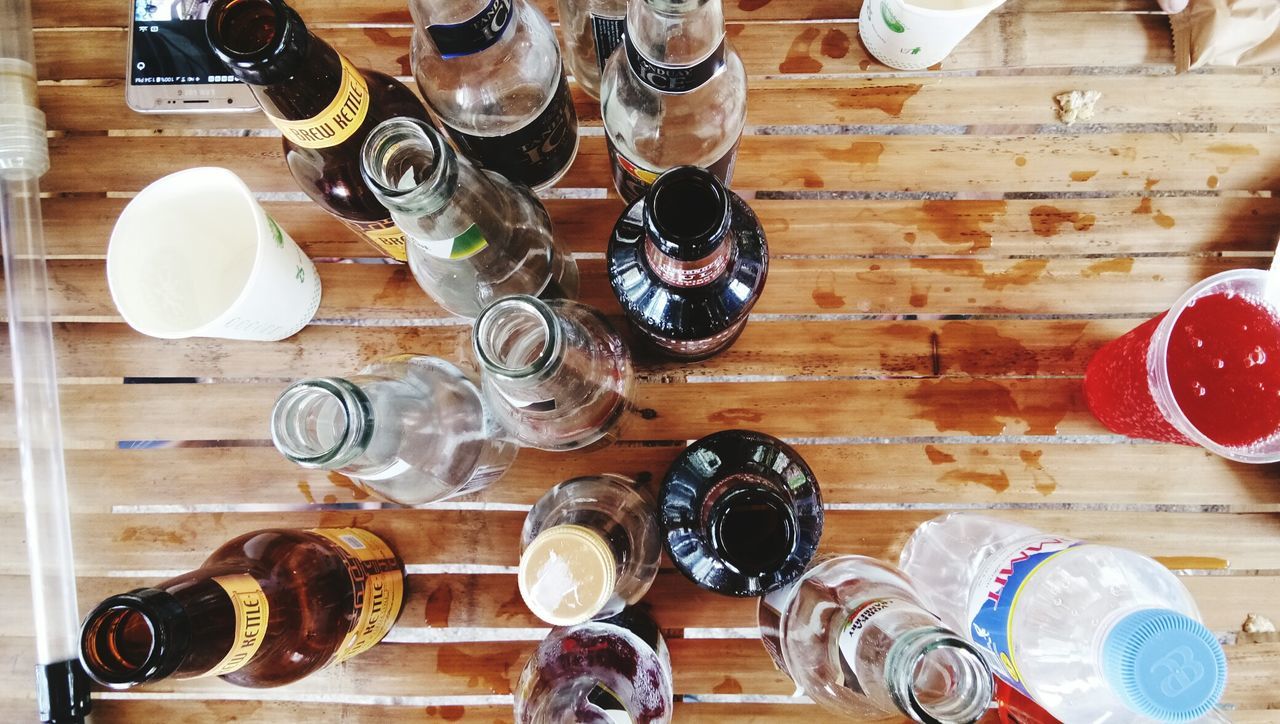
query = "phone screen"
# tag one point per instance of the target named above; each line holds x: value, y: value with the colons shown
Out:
x: 170, y: 47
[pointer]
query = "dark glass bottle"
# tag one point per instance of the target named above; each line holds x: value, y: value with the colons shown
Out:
x: 323, y: 105
x: 741, y: 512
x: 265, y: 609
x: 687, y: 262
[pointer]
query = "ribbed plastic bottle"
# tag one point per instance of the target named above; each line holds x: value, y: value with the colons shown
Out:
x: 1091, y: 633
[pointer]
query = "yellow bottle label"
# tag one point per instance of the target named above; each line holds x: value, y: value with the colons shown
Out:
x: 252, y: 612
x: 337, y: 122
x: 378, y: 581
x: 384, y: 235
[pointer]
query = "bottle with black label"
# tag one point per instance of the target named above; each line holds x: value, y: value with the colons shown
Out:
x: 473, y: 236
x: 322, y: 104
x: 687, y: 262
x: 555, y: 373
x: 854, y: 636
x: 265, y: 609
x: 592, y: 30
x: 492, y: 73
x: 675, y: 94
x: 614, y: 671
x: 411, y: 429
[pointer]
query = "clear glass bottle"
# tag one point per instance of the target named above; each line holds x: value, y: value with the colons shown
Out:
x: 410, y: 429
x: 687, y: 263
x: 473, y: 236
x: 675, y: 94
x: 599, y: 672
x: 491, y: 71
x: 742, y: 513
x: 554, y: 372
x: 592, y: 29
x: 265, y: 609
x: 854, y: 635
x: 590, y: 547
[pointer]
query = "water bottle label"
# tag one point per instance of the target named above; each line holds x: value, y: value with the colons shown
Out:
x: 463, y: 246
x: 851, y: 637
x: 995, y: 598
x: 607, y: 33
x: 674, y: 79
x: 473, y: 35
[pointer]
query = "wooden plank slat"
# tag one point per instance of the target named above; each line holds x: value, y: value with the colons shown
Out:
x: 920, y: 474
x: 957, y: 101
x: 80, y: 227
x: 1101, y: 162
x: 1022, y: 40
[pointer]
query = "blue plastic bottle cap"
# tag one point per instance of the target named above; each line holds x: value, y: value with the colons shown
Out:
x: 1165, y: 665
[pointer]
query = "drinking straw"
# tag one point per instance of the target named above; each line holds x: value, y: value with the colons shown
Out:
x: 62, y: 690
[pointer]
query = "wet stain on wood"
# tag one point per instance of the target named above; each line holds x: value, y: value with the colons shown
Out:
x: 1143, y: 207
x: 439, y: 603
x: 1212, y: 182
x: 735, y: 416
x: 937, y: 457
x: 1121, y: 265
x: 918, y: 299
x: 1021, y: 273
x: 886, y: 99
x: 835, y: 44
x: 998, y: 482
x: 935, y: 66
x: 979, y: 407
x: 1082, y: 176
x: 865, y: 153
x: 980, y: 349
x: 153, y: 534
x: 864, y: 64
x: 800, y: 56
x: 909, y: 237
x: 305, y: 488
x: 648, y: 413
x: 1020, y: 161
x: 750, y: 6
x: 1046, y: 219
x: 341, y: 481
x: 824, y: 292
x: 1045, y: 484
x: 1179, y: 563
x: 730, y: 685
x: 962, y: 223
x: 1234, y: 149
x: 1163, y: 220
x: 485, y: 671
x: 1150, y: 183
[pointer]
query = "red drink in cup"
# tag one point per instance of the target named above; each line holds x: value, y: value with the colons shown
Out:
x: 1207, y: 372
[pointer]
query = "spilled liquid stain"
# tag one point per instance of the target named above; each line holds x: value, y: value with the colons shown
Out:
x: 835, y: 44
x: 824, y: 292
x: 750, y: 6
x: 305, y: 488
x: 1179, y: 563
x: 886, y: 99
x: 979, y: 407
x: 152, y: 534
x: 1144, y: 206
x: 1212, y: 182
x: 1082, y: 176
x: 982, y: 350
x: 909, y: 237
x: 514, y: 608
x: 938, y: 457
x: 800, y: 56
x: 439, y: 604
x: 962, y: 223
x: 865, y: 153
x: 342, y: 481
x: 447, y: 712
x: 486, y: 672
x: 998, y: 482
x: 1046, y: 219
x: 935, y: 66
x: 735, y: 416
x: 1022, y: 273
x: 919, y: 300
x: 1234, y: 149
x: 1121, y: 265
x: 1044, y: 483
x: 1163, y: 220
x: 1150, y: 183
x: 1020, y: 161
x: 730, y: 685
x: 864, y: 64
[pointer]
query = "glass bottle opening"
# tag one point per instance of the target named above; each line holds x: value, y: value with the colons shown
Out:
x: 687, y: 212
x: 246, y: 27
x: 118, y: 645
x: 949, y: 682
x: 516, y: 336
x: 312, y: 422
x: 403, y: 155
x: 752, y: 528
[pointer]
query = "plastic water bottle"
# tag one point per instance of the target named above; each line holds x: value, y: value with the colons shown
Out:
x: 1090, y: 632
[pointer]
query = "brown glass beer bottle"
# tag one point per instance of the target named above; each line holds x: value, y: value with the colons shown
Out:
x: 323, y: 105
x: 266, y: 609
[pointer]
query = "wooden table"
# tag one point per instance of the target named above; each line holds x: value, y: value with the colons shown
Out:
x: 925, y: 349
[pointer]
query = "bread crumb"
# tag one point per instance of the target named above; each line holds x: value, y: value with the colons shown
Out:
x: 1257, y: 623
x: 1077, y: 105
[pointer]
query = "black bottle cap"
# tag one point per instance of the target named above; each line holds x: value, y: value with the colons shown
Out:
x: 62, y: 692
x: 686, y: 212
x: 741, y: 512
x: 261, y: 41
x: 170, y: 637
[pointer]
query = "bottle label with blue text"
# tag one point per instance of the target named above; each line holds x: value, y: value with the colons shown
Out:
x: 473, y: 35
x: 671, y: 79
x: 996, y: 594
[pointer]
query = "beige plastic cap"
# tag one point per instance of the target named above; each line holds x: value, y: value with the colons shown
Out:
x: 567, y: 574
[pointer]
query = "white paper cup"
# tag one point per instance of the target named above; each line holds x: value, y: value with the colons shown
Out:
x: 194, y: 255
x: 915, y: 34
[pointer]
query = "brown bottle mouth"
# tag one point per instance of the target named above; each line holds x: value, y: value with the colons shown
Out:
x: 133, y: 637
x: 246, y: 27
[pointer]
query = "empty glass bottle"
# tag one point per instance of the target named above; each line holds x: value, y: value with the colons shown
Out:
x: 473, y: 236
x: 411, y: 429
x: 592, y: 30
x: 741, y: 512
x: 323, y: 105
x: 265, y: 609
x: 854, y: 635
x: 491, y: 71
x: 590, y: 547
x: 687, y: 263
x: 554, y: 372
x: 675, y: 94
x: 599, y: 672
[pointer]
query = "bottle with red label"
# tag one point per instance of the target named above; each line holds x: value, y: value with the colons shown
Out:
x: 855, y: 636
x: 674, y: 93
x: 492, y: 73
x: 323, y: 105
x: 265, y: 609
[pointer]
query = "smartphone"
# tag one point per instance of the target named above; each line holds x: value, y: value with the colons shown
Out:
x: 171, y: 66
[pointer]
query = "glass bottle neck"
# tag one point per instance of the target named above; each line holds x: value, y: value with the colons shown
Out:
x: 464, y: 28
x: 323, y: 423
x: 676, y: 32
x: 520, y: 345
x: 687, y: 217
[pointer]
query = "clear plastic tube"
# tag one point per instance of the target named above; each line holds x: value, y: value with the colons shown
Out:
x: 24, y: 157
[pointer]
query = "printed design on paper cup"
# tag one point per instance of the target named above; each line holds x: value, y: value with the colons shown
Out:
x: 891, y: 20
x: 275, y: 232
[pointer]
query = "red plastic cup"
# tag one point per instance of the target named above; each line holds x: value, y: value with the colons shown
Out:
x: 1127, y: 386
